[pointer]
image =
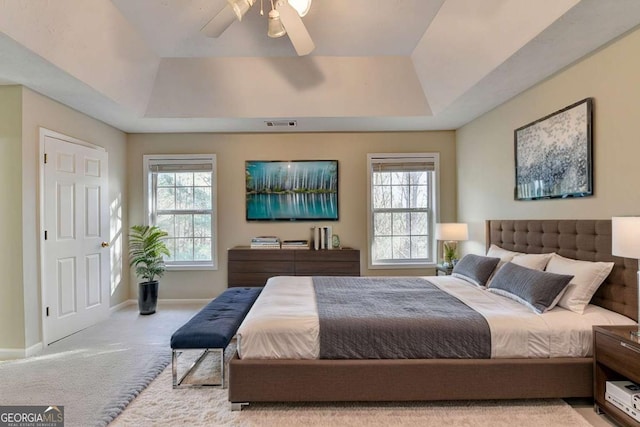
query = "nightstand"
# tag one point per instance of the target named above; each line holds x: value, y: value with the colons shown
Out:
x: 441, y: 270
x: 616, y: 357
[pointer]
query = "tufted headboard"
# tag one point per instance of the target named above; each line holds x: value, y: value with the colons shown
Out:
x: 582, y: 239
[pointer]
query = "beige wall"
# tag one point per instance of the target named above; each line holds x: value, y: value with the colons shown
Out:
x: 11, y: 292
x: 350, y: 149
x: 27, y: 111
x: 486, y: 154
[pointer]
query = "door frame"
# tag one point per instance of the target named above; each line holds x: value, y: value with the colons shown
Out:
x: 43, y: 133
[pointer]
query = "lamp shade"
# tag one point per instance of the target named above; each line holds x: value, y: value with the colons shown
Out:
x: 625, y: 236
x: 452, y: 231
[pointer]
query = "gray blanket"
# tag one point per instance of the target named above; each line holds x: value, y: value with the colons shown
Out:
x: 396, y: 318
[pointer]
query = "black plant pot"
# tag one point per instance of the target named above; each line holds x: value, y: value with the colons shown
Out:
x: 147, y: 297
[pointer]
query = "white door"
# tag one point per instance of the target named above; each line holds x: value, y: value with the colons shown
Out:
x: 75, y: 250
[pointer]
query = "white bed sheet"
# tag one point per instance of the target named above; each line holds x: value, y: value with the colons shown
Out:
x: 283, y: 323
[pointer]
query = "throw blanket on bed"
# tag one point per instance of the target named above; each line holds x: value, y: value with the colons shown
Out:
x: 396, y: 318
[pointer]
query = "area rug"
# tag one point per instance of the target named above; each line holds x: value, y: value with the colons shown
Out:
x: 161, y: 405
x: 96, y: 372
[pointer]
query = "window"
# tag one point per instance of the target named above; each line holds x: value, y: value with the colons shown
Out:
x: 402, y: 206
x: 180, y: 199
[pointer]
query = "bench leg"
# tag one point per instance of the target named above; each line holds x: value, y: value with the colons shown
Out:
x: 174, y: 368
x: 223, y: 374
x: 177, y: 383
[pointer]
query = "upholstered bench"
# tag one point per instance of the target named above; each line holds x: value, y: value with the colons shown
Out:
x: 211, y: 330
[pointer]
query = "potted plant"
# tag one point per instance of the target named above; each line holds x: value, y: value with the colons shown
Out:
x: 450, y: 254
x: 146, y: 250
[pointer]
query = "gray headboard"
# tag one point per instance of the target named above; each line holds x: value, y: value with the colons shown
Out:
x: 582, y: 239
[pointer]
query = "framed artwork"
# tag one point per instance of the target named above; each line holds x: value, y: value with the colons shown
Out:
x: 297, y: 190
x: 553, y: 155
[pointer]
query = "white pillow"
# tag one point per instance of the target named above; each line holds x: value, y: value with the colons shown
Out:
x: 587, y: 278
x: 504, y: 255
x: 534, y: 261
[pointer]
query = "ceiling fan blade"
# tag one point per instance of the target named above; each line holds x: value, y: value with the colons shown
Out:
x: 296, y: 30
x: 220, y: 22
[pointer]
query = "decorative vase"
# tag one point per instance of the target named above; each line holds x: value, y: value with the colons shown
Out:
x: 147, y: 297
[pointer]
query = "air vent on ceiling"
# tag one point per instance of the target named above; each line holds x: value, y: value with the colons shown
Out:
x: 282, y: 123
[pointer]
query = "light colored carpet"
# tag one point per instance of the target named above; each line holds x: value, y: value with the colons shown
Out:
x: 161, y: 405
x: 96, y: 372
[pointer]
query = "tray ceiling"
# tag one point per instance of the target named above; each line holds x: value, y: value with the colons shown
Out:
x: 144, y: 66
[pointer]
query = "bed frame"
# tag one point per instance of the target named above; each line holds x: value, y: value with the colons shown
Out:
x: 455, y: 379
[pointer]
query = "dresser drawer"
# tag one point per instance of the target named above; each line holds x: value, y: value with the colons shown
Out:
x: 622, y: 355
x: 334, y: 255
x: 251, y: 255
x: 279, y: 268
x: 327, y: 268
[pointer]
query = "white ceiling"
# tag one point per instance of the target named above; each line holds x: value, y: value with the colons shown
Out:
x: 144, y: 66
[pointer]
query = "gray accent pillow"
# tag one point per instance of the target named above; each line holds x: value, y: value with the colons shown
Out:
x: 475, y: 269
x: 538, y: 290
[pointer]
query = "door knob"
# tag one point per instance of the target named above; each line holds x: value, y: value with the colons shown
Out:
x: 105, y: 244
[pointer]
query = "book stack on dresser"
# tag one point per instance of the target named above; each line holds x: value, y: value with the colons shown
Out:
x: 265, y: 242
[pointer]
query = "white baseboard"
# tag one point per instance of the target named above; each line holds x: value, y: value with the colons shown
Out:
x: 121, y: 306
x: 20, y: 353
x: 11, y: 353
x: 163, y: 302
x: 184, y: 301
x: 33, y: 350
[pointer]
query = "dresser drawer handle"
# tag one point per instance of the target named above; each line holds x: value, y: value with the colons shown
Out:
x: 630, y: 347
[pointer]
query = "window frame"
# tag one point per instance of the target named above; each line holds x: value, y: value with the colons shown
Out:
x: 149, y: 215
x: 372, y: 159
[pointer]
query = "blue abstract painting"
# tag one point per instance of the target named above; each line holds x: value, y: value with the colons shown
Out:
x: 292, y: 190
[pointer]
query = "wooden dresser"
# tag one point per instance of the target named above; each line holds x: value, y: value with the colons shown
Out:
x: 252, y: 267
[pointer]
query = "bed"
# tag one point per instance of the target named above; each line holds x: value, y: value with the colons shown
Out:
x: 281, y: 380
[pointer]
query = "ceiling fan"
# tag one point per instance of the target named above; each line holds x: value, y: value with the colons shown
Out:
x: 285, y: 17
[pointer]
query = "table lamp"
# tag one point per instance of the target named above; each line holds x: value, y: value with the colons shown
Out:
x: 451, y: 233
x: 625, y: 242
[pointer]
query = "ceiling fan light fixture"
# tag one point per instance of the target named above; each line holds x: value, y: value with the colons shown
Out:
x: 240, y: 7
x: 275, y: 29
x: 301, y: 6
